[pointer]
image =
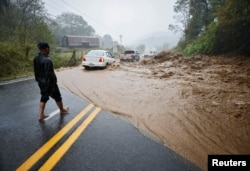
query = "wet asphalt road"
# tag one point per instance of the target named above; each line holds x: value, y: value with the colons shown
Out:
x: 107, y: 142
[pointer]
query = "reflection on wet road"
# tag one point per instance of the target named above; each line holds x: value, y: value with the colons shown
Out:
x: 63, y: 149
x: 88, y: 138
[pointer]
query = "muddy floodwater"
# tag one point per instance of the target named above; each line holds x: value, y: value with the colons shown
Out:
x: 196, y: 106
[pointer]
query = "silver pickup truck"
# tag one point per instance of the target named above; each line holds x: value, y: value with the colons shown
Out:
x: 130, y: 55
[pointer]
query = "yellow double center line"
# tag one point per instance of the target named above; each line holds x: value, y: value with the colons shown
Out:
x: 54, y: 158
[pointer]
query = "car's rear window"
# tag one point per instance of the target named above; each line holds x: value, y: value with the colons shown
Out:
x: 129, y: 52
x: 95, y: 53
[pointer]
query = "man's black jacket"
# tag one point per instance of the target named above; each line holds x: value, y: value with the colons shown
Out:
x: 44, y: 72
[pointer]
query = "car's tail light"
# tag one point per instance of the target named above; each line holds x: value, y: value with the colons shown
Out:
x: 83, y: 58
x: 101, y: 59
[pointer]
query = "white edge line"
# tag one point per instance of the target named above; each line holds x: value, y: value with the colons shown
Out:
x: 15, y: 80
x: 52, y: 114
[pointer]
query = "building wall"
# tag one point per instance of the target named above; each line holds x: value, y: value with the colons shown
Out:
x: 80, y: 41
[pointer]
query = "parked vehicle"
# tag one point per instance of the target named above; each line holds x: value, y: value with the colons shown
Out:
x: 97, y: 58
x: 130, y: 55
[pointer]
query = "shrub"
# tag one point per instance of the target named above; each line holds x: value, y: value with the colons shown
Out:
x: 13, y: 62
x: 204, y: 44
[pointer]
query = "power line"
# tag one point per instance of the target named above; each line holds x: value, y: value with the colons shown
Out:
x: 97, y: 22
x: 58, y: 4
x: 101, y: 26
x: 55, y: 8
x: 51, y: 15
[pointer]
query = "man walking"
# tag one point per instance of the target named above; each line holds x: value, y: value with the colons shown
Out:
x: 47, y: 81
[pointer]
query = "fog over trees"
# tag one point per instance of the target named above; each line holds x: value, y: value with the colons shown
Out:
x: 208, y: 26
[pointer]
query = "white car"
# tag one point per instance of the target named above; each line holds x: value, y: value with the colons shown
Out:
x: 97, y: 58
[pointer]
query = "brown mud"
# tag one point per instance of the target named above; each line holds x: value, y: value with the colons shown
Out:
x: 196, y: 106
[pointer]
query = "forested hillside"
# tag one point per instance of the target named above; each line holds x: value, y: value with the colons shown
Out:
x: 213, y: 26
x: 23, y: 25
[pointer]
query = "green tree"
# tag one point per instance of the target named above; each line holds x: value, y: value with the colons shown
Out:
x: 194, y: 16
x: 198, y: 10
x: 214, y: 26
x: 23, y: 24
x: 8, y: 21
x: 3, y: 6
x: 182, y: 9
x: 70, y: 24
x: 233, y: 27
x: 74, y: 24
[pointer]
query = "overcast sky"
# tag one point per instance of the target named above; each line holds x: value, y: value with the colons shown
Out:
x: 130, y: 18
